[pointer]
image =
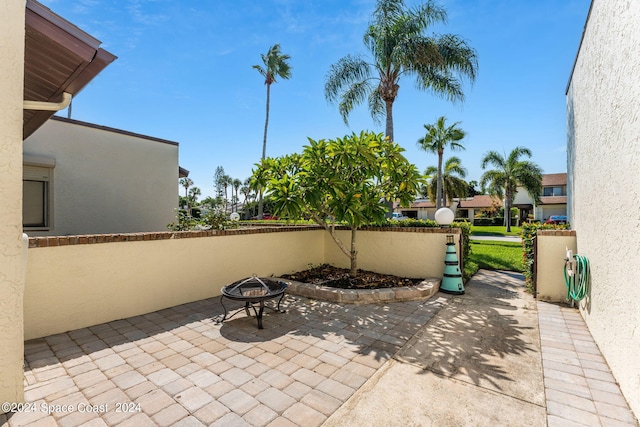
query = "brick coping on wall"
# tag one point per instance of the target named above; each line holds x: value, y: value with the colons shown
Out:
x: 556, y: 233
x: 48, y: 241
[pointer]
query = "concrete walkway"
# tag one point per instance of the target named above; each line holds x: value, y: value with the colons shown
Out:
x: 493, y: 356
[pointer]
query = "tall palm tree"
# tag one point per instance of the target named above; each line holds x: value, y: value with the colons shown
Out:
x: 453, y: 181
x: 509, y: 173
x: 186, y: 183
x: 438, y: 137
x: 245, y: 190
x: 226, y: 182
x: 275, y: 65
x: 194, y: 192
x: 236, y: 185
x: 398, y: 46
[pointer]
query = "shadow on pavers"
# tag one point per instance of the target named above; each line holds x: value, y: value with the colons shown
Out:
x: 477, y: 362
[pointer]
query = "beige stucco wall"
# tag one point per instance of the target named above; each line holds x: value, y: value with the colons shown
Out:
x: 551, y: 253
x: 401, y: 253
x: 11, y: 257
x: 70, y: 287
x: 604, y: 183
x: 106, y: 182
x: 74, y: 286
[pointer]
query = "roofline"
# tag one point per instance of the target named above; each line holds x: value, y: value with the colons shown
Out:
x: 113, y: 130
x: 62, y: 23
x: 575, y: 61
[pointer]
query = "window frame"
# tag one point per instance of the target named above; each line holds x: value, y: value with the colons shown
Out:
x: 40, y: 169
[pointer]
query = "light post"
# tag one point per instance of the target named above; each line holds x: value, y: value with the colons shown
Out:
x: 452, y: 277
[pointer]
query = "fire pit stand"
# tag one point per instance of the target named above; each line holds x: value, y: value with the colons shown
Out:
x: 253, y: 290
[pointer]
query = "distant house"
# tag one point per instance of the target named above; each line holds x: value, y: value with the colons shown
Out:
x: 552, y: 202
x: 81, y: 178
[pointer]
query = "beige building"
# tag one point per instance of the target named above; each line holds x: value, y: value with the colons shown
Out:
x: 553, y: 199
x: 81, y: 178
x: 604, y: 184
x: 552, y: 202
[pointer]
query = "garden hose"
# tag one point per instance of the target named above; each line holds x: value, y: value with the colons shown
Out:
x: 577, y: 279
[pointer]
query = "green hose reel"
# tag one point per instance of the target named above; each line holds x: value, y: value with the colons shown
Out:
x: 577, y: 276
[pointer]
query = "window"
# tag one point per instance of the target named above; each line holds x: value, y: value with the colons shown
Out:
x: 554, y: 191
x: 36, y: 197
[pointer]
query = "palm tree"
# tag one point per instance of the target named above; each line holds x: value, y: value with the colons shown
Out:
x: 397, y: 44
x: 246, y: 191
x: 452, y: 179
x: 193, y: 198
x: 437, y: 138
x: 510, y: 173
x: 226, y: 182
x: 236, y: 185
x: 275, y: 65
x: 186, y: 183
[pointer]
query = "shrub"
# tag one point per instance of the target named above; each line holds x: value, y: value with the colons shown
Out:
x: 529, y: 232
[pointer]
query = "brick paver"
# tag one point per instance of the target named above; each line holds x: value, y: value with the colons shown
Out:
x: 579, y: 387
x: 179, y: 367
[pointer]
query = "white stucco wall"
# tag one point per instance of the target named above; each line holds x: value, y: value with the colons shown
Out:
x: 106, y: 182
x: 604, y: 160
x: 11, y: 258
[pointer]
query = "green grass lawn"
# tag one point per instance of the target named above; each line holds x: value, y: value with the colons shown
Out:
x: 494, y: 230
x: 492, y: 255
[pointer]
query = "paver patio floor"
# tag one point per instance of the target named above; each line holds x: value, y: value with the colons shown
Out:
x: 178, y: 367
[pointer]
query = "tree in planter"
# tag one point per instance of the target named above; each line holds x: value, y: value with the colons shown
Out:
x: 509, y: 173
x: 343, y: 180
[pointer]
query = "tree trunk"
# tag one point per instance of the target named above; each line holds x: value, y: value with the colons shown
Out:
x: 389, y: 122
x: 439, y: 202
x: 264, y: 148
x: 507, y: 209
x: 354, y: 254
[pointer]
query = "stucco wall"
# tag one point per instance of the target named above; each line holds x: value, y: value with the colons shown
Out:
x: 551, y: 252
x: 106, y: 182
x: 79, y: 285
x: 411, y: 254
x: 604, y: 184
x: 11, y: 258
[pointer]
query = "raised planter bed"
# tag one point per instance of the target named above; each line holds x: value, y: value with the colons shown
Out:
x: 423, y: 291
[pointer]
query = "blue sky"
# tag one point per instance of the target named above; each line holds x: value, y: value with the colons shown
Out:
x: 184, y: 73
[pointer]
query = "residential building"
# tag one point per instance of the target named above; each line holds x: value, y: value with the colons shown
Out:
x: 553, y: 200
x: 603, y: 151
x: 82, y: 178
x: 44, y: 57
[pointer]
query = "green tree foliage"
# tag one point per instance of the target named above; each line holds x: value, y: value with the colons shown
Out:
x: 509, y: 174
x: 276, y: 65
x: 342, y: 180
x: 438, y: 137
x: 398, y: 46
x: 453, y: 183
x: 218, y: 181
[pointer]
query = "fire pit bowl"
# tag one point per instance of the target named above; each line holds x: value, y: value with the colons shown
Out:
x: 253, y: 290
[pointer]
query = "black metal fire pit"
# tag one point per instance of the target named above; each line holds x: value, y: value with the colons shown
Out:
x: 254, y: 290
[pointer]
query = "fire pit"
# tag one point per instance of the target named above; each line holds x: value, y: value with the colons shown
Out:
x: 253, y: 290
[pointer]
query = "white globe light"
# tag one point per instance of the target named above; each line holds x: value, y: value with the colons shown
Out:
x: 235, y: 216
x: 444, y: 216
